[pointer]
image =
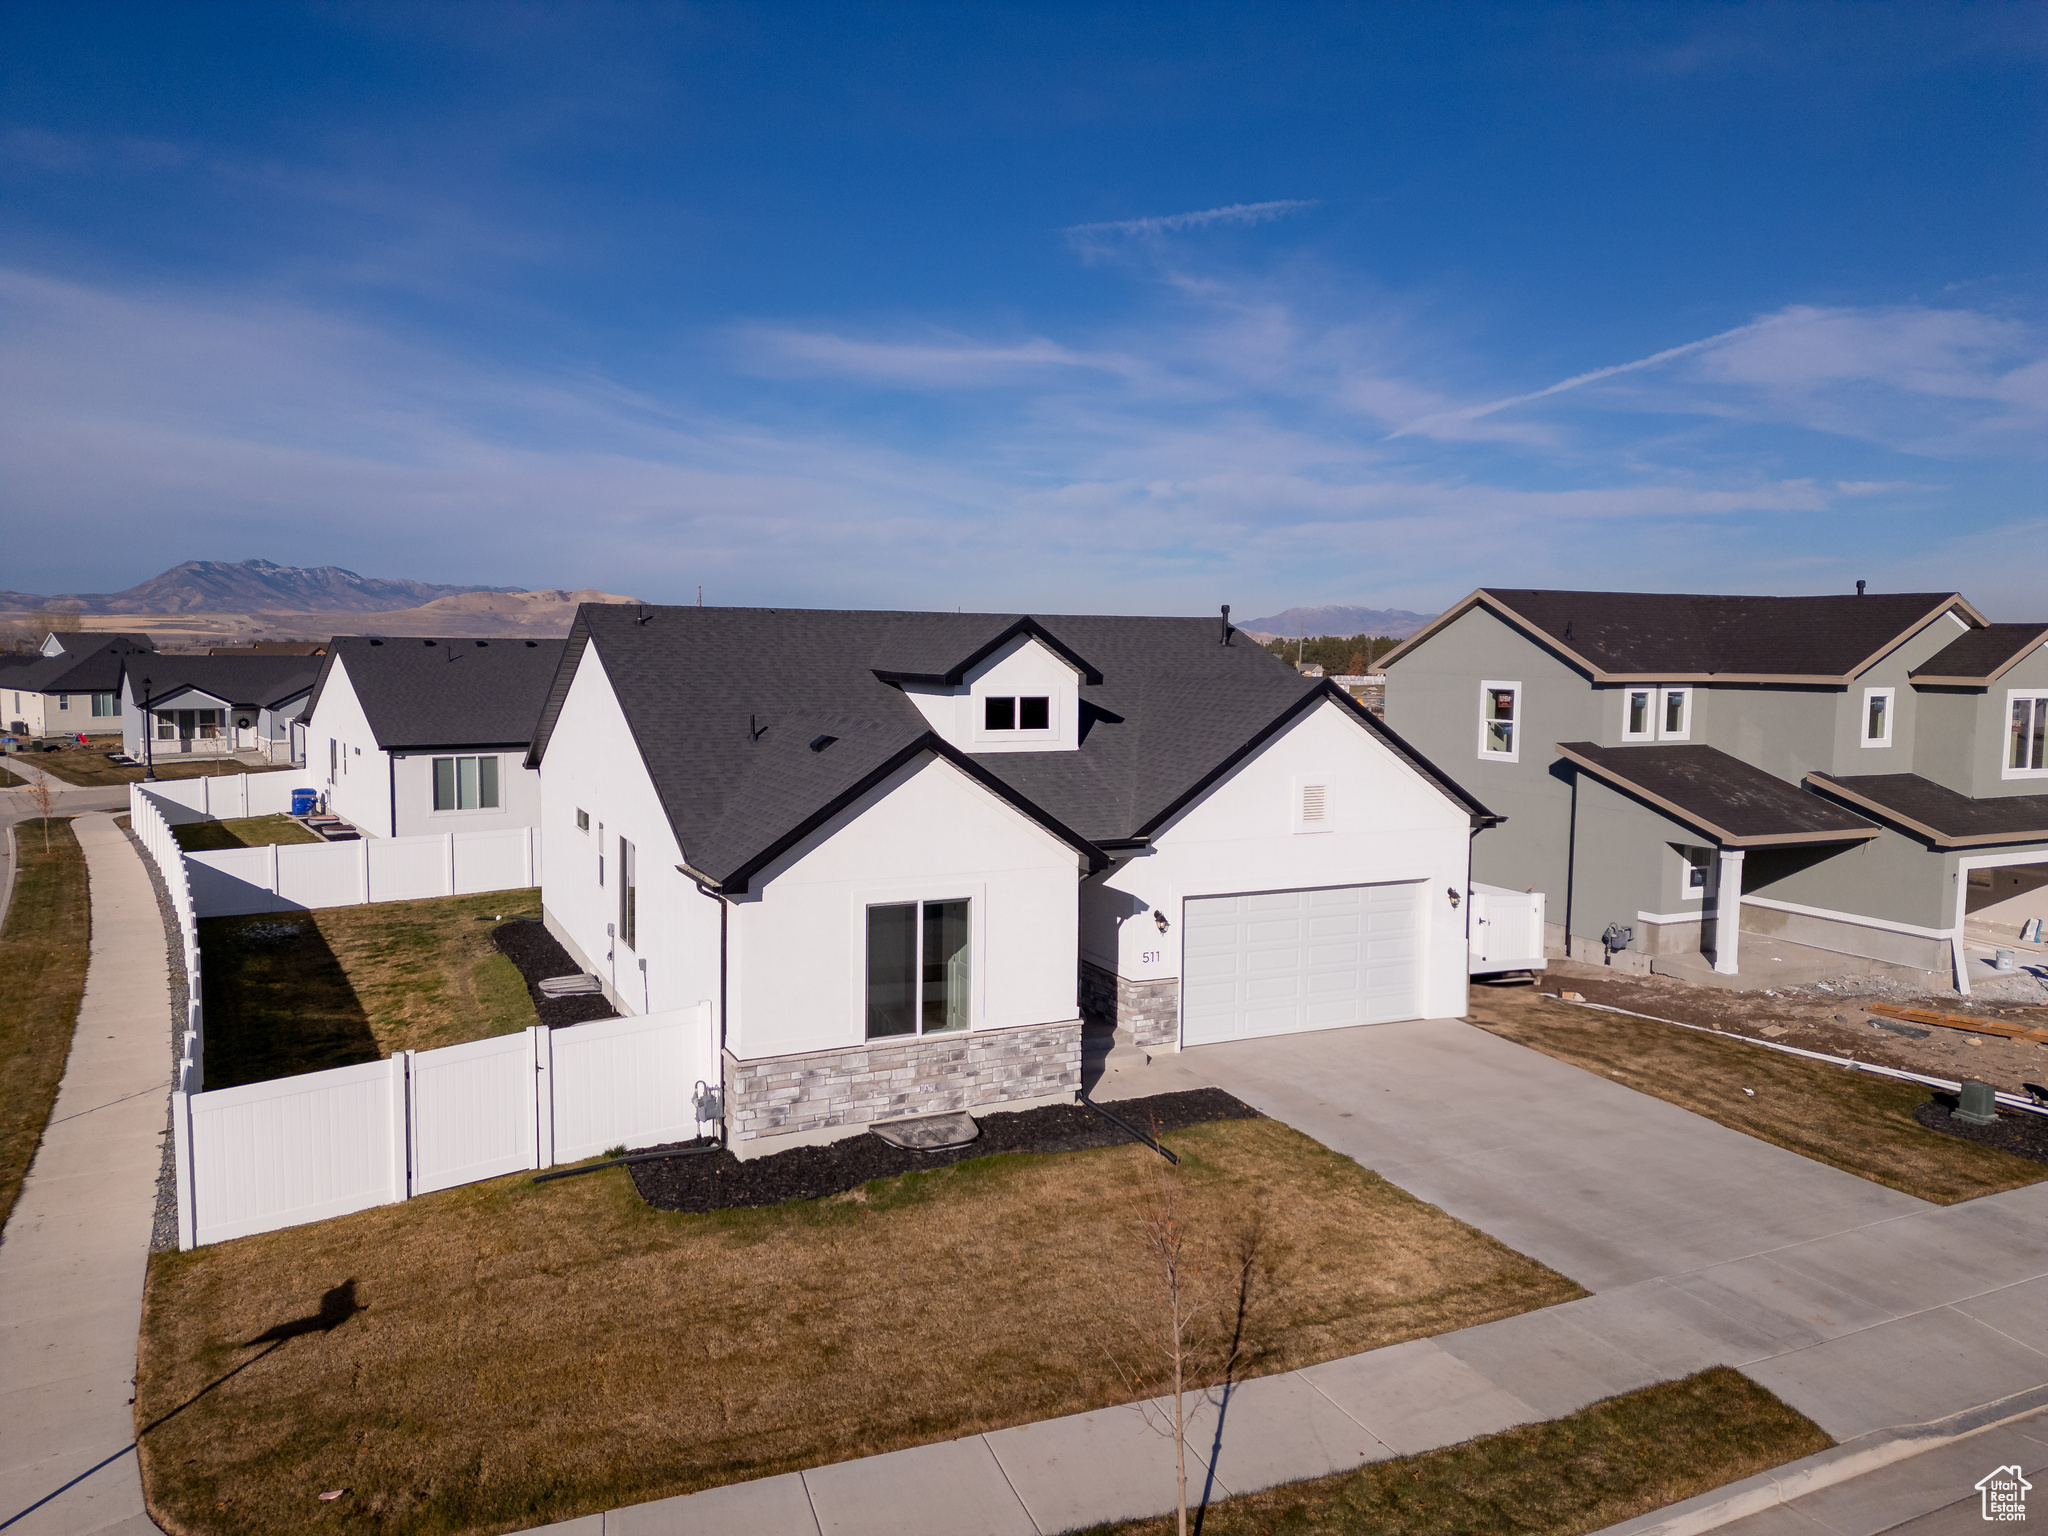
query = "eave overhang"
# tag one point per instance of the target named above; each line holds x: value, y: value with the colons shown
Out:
x: 1721, y: 835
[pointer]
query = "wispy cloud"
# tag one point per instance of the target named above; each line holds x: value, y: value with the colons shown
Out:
x: 1174, y: 223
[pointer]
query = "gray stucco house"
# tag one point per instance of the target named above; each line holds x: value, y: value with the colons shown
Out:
x: 1862, y: 774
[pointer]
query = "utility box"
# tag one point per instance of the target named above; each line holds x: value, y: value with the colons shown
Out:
x: 1504, y: 931
x: 1977, y: 1104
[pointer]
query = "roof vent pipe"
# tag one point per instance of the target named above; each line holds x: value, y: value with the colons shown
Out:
x: 1225, y: 636
x: 1859, y: 589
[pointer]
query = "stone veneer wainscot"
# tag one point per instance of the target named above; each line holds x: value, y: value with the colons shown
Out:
x: 906, y: 1075
x: 1150, y: 1010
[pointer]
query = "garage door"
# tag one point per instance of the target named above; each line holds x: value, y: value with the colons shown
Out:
x: 1276, y: 962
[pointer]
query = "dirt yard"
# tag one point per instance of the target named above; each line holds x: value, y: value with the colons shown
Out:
x: 1860, y: 1123
x: 1833, y: 1021
x: 507, y: 1354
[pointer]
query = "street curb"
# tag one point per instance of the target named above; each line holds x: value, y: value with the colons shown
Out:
x: 1824, y: 1469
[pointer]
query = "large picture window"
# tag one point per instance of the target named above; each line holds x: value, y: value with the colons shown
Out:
x: 104, y: 704
x: 465, y: 783
x: 918, y: 973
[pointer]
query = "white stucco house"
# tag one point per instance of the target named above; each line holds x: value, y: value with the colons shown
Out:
x: 215, y: 706
x: 901, y: 853
x: 409, y: 737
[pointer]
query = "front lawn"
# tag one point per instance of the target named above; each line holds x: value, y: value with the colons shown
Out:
x: 291, y: 992
x: 88, y: 767
x: 505, y: 1354
x: 240, y: 832
x: 1851, y: 1120
x: 43, y: 951
x: 1604, y: 1464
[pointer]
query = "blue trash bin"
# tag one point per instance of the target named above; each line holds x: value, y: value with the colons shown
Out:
x: 303, y: 801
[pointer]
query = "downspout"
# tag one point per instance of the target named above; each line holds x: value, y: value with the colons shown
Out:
x: 704, y: 888
x: 391, y: 762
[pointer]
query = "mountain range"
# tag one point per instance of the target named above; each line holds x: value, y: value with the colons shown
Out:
x: 249, y: 586
x: 1335, y: 619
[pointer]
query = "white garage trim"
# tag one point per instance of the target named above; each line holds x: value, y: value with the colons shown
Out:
x: 1264, y: 963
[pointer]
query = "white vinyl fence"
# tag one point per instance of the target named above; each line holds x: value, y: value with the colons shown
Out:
x: 225, y: 796
x: 293, y: 877
x: 146, y: 820
x: 300, y: 1149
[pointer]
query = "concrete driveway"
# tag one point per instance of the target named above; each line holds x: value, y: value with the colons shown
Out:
x: 1862, y: 1307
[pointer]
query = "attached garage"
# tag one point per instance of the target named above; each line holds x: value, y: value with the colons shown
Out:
x: 1279, y: 962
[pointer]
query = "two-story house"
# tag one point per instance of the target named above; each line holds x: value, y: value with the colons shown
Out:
x: 1858, y: 773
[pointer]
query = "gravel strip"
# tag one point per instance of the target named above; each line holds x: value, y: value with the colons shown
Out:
x: 163, y: 1237
x: 2019, y: 1133
x: 719, y: 1181
x: 539, y: 955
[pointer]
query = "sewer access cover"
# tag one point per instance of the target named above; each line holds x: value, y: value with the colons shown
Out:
x: 929, y: 1133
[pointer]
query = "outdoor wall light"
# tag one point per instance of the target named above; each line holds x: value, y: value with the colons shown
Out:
x: 1159, y: 918
x: 1452, y: 892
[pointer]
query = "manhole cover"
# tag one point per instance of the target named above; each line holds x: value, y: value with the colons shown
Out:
x: 929, y: 1133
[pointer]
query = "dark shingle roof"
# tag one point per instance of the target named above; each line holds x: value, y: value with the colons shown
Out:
x: 90, y: 663
x: 725, y: 702
x: 253, y: 682
x: 1982, y: 654
x: 1939, y: 814
x: 1672, y: 637
x: 446, y: 693
x: 1738, y: 805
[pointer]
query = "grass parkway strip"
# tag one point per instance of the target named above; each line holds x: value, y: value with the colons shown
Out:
x: 43, y: 952
x: 1604, y: 1464
x: 1861, y: 1124
x: 508, y: 1354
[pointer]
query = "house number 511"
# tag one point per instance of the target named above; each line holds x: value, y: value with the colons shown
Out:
x: 1149, y: 957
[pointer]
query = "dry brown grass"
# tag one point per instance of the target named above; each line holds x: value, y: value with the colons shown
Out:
x: 1604, y: 1464
x: 531, y: 1353
x: 291, y: 992
x: 240, y: 832
x: 1847, y: 1119
x: 43, y: 952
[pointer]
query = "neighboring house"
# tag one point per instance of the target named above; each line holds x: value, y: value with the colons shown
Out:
x: 414, y: 736
x: 71, y: 685
x: 215, y: 706
x: 272, y: 648
x: 900, y: 852
x: 1858, y: 774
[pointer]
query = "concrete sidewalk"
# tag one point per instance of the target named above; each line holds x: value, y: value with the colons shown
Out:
x: 1864, y: 1308
x: 73, y: 1254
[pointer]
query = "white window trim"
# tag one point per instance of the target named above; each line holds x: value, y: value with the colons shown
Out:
x: 1649, y: 731
x: 1685, y: 868
x: 1303, y: 783
x: 976, y: 897
x: 1519, y: 723
x: 1891, y: 706
x: 1684, y: 732
x: 2005, y: 768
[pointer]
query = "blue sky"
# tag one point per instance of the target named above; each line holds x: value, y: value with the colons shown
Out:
x: 1118, y: 308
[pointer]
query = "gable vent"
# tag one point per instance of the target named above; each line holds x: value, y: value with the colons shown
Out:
x: 1315, y: 799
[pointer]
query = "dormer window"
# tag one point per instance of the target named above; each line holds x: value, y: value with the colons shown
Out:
x: 1029, y: 713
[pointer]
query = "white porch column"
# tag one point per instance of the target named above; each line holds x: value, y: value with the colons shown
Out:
x: 1728, y: 912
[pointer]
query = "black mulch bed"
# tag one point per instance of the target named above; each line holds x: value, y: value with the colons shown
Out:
x: 2017, y: 1132
x: 539, y: 955
x: 717, y: 1181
